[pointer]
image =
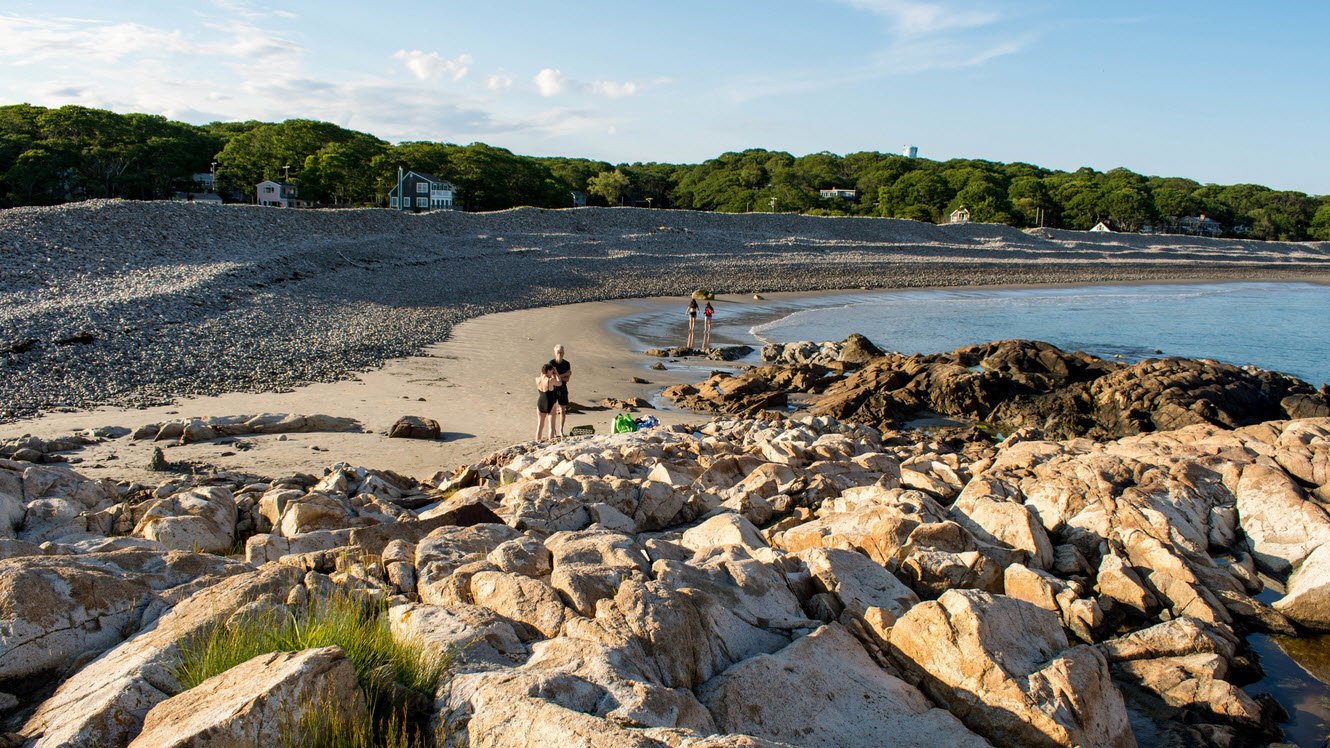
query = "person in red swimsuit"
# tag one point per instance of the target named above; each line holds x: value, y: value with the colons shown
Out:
x: 706, y: 327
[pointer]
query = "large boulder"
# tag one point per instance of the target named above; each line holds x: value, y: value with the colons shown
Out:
x: 105, y: 702
x: 1307, y: 599
x: 831, y: 693
x: 1005, y: 668
x: 414, y: 427
x: 56, y: 609
x: 259, y: 702
x: 1281, y: 525
x: 864, y: 589
x: 201, y: 519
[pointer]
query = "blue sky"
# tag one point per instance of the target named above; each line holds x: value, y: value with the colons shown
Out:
x: 1218, y: 91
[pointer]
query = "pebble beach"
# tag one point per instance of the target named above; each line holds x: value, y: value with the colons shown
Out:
x: 134, y: 304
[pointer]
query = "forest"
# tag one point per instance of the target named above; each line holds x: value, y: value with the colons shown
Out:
x: 55, y: 155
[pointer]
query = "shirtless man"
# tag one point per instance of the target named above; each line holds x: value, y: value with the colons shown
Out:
x: 563, y: 371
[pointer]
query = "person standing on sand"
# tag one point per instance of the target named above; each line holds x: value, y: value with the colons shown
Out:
x: 563, y: 371
x: 546, y: 384
x: 692, y: 320
x: 706, y: 327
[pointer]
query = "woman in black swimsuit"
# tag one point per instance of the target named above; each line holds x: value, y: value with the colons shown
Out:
x: 546, y: 384
x: 692, y: 320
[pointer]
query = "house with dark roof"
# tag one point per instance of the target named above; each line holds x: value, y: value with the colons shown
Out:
x: 421, y: 193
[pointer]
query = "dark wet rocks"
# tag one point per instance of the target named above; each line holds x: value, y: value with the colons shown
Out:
x: 720, y: 353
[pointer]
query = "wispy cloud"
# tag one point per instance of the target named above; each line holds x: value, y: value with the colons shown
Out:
x: 552, y: 82
x: 433, y: 65
x: 499, y: 81
x: 911, y: 17
x: 32, y: 41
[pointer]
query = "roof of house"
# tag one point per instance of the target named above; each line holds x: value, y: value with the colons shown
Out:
x: 278, y: 182
x: 428, y: 177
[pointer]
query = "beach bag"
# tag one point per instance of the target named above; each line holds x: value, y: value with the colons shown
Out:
x: 646, y: 423
x: 623, y: 423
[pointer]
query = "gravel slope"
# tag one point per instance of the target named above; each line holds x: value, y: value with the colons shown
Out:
x: 133, y: 303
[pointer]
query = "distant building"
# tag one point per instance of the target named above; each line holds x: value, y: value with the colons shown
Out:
x: 1102, y: 227
x: 910, y: 151
x: 276, y: 193
x: 203, y: 181
x: 960, y: 215
x: 422, y: 193
x: 837, y: 192
x: 1199, y: 226
x: 579, y: 198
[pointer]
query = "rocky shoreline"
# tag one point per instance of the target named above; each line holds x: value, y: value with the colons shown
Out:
x: 759, y: 580
x: 133, y: 303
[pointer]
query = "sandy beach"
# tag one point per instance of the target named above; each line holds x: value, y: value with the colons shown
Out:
x: 478, y: 385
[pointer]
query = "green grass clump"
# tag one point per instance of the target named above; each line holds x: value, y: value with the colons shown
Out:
x: 393, y: 674
x: 703, y: 295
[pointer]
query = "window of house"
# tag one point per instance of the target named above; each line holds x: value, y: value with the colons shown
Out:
x: 422, y: 187
x: 422, y: 202
x: 267, y: 190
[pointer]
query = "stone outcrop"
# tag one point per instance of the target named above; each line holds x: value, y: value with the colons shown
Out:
x: 1005, y: 668
x: 190, y: 430
x: 655, y: 588
x: 1025, y: 384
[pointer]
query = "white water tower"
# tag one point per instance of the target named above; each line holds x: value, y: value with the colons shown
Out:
x: 910, y: 151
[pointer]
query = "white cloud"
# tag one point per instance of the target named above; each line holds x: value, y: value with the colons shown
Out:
x: 433, y: 65
x: 550, y: 82
x: 612, y: 89
x: 499, y: 81
x: 919, y: 17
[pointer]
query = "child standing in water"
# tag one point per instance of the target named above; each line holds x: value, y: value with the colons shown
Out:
x: 706, y: 327
x: 692, y: 320
x: 546, y: 384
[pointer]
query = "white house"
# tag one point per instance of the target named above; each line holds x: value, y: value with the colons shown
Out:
x: 960, y: 215
x: 275, y: 193
x: 422, y: 193
x: 837, y: 192
x: 1101, y: 227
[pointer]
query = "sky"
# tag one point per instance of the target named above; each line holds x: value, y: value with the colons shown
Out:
x: 1218, y: 91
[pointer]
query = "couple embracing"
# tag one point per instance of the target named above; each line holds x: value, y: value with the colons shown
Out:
x: 552, y: 395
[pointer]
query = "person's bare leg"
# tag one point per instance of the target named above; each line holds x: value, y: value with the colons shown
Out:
x: 557, y: 418
x: 540, y: 424
x: 692, y: 325
x: 706, y: 336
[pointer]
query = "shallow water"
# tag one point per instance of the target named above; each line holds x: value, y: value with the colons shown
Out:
x: 1280, y: 326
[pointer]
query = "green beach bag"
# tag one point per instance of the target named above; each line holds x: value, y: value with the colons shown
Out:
x: 623, y: 423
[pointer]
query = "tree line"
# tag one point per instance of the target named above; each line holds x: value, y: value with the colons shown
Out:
x: 49, y: 156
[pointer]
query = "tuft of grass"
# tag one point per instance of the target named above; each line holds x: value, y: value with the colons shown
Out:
x: 327, y: 725
x: 396, y: 677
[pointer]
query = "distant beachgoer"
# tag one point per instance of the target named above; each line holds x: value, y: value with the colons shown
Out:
x: 563, y: 371
x: 692, y: 320
x: 706, y: 327
x: 546, y: 384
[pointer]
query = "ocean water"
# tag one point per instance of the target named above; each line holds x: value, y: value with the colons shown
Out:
x: 1280, y: 326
